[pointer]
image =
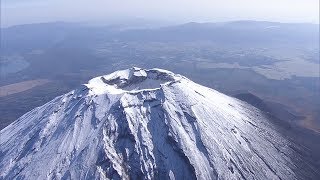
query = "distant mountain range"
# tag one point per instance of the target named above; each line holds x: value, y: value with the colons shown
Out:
x: 244, y: 33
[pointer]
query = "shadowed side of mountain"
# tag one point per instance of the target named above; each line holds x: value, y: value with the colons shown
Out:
x: 286, y: 122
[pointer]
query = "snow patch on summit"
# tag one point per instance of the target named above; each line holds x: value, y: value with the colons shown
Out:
x: 131, y: 81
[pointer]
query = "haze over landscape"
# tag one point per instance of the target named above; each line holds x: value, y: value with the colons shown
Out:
x: 159, y: 89
x: 166, y: 11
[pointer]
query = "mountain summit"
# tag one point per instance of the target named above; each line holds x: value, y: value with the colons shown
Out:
x: 146, y: 124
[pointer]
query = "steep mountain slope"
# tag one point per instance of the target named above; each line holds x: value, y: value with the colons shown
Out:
x: 276, y: 109
x: 148, y: 124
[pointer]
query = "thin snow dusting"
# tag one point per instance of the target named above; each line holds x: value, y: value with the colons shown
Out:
x: 145, y: 124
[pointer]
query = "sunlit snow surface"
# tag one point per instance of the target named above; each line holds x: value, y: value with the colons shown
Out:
x: 144, y: 124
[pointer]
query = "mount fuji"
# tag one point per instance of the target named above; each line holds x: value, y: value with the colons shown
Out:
x: 148, y: 124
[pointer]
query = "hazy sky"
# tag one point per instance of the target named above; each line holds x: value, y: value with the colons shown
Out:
x: 30, y: 11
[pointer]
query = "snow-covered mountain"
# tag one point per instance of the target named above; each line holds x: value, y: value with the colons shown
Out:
x: 147, y: 124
